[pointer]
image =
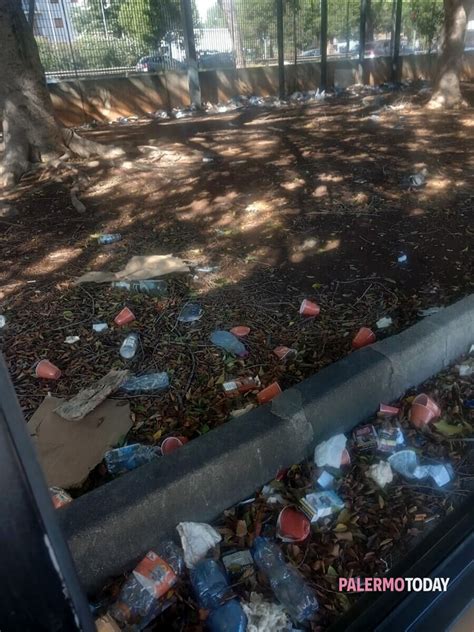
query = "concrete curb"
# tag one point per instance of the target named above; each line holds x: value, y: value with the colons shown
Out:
x: 111, y: 527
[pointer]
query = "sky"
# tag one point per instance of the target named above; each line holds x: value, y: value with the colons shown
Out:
x: 203, y: 6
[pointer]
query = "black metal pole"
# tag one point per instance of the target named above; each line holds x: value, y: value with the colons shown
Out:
x: 396, y: 69
x: 362, y: 27
x: 40, y: 588
x: 324, y: 44
x: 281, y: 52
x: 191, y: 57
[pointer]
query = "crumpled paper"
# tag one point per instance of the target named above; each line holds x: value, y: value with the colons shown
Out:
x: 381, y: 473
x: 329, y: 453
x: 197, y: 538
x: 263, y: 616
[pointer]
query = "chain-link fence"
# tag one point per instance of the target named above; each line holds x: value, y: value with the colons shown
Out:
x: 104, y: 37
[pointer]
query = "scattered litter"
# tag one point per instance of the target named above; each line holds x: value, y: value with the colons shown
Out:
x: 288, y: 586
x: 59, y: 497
x: 190, y: 313
x: 89, y: 398
x: 466, y: 369
x: 241, y: 411
x: 229, y: 343
x: 171, y: 444
x: 402, y: 258
x: 423, y: 410
x: 129, y: 457
x: 129, y: 346
x: 384, y: 322
x: 381, y: 473
x: 46, y: 370
x: 106, y: 623
x: 197, y: 538
x: 309, y: 309
x: 148, y: 383
x: 3, y: 321
x: 329, y: 453
x: 241, y: 385
x: 264, y: 616
x: 468, y: 403
x: 213, y: 592
x: 406, y: 464
x: 124, y: 317
x: 430, y: 311
x: 321, y: 504
x: 416, y: 180
x: 363, y: 337
x: 389, y: 439
x: 144, y: 594
x: 100, y: 327
x: 68, y: 452
x: 237, y: 562
x: 150, y: 287
x: 110, y: 238
x: 285, y: 353
x: 269, y: 393
x: 292, y: 525
x: 207, y: 159
x: 385, y: 409
x: 70, y: 340
x: 325, y: 480
x: 139, y: 268
x: 240, y: 331
x: 207, y: 269
x: 365, y: 437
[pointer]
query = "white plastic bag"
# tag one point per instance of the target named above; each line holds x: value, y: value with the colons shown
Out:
x: 197, y: 538
x: 329, y: 453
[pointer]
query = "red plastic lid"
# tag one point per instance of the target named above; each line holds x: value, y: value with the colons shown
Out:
x: 293, y: 525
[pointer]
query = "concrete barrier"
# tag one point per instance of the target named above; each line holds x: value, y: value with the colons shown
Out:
x: 109, y: 528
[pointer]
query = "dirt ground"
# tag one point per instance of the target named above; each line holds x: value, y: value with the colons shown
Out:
x: 307, y: 201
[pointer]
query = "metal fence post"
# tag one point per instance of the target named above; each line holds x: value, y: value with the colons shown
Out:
x: 362, y: 27
x: 281, y: 52
x: 324, y: 44
x: 191, y: 57
x: 396, y: 69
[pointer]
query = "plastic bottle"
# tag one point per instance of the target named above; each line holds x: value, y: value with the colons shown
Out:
x: 287, y: 584
x: 129, y: 346
x: 146, y: 383
x: 213, y: 592
x: 190, y: 313
x: 149, y: 287
x: 229, y: 343
x: 129, y: 457
x: 109, y: 238
x: 143, y: 596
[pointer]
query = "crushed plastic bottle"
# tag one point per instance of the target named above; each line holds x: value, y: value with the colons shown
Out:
x: 190, y: 313
x: 287, y: 584
x: 110, y: 238
x: 146, y: 383
x: 143, y: 596
x: 229, y: 343
x: 150, y: 287
x: 129, y: 457
x: 213, y: 592
x: 130, y: 346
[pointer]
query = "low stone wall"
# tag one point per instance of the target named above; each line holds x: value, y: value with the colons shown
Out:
x: 105, y: 99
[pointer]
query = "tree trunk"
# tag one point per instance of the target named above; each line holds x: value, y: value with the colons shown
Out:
x: 30, y: 130
x: 369, y: 24
x: 227, y: 7
x: 447, y: 89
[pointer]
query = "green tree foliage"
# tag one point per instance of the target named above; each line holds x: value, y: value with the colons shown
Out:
x: 424, y: 19
x: 147, y: 21
x: 97, y: 16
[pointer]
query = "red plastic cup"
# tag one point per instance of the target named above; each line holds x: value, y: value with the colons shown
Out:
x: 284, y: 353
x: 124, y: 317
x: 170, y: 444
x: 292, y: 525
x: 309, y: 309
x: 363, y: 337
x: 423, y: 410
x: 269, y: 393
x: 47, y: 370
x: 240, y: 331
x: 385, y: 409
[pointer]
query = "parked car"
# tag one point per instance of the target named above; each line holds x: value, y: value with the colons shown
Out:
x: 154, y: 63
x: 213, y: 59
x: 312, y: 52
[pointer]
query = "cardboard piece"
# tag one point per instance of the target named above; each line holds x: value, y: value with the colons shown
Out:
x: 139, y: 268
x: 68, y: 452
